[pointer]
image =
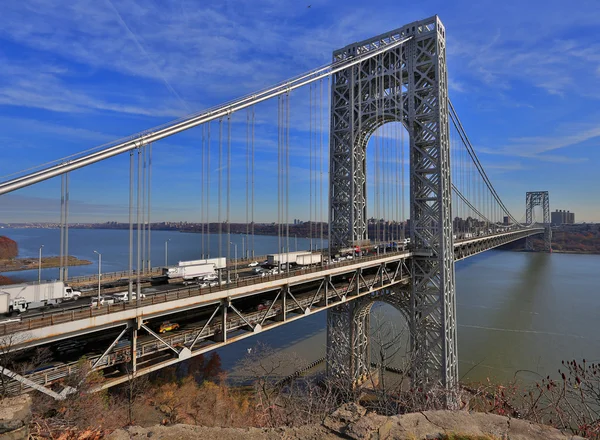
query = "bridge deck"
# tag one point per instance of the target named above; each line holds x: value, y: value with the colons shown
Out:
x: 61, y: 324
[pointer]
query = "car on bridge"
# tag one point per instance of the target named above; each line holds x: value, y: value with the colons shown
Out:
x: 168, y: 327
x: 104, y: 301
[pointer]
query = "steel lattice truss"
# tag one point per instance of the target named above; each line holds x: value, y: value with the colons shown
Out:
x: 408, y: 84
x: 533, y: 199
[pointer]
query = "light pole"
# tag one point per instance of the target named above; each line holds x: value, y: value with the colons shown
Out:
x: 243, y: 247
x: 40, y: 266
x: 167, y: 252
x: 234, y: 259
x: 99, y: 273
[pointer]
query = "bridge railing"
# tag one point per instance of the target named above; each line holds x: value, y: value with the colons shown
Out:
x: 55, y: 317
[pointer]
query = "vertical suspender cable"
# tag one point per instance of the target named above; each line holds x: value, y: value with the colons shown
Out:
x: 279, y: 128
x: 287, y: 181
x: 310, y: 162
x: 220, y: 224
x: 144, y: 156
x: 139, y: 226
x: 149, y: 202
x: 253, y: 181
x: 62, y: 227
x: 202, y: 198
x: 131, y: 175
x: 66, y: 275
x: 247, y: 178
x: 208, y: 171
x: 321, y: 165
x: 229, y: 187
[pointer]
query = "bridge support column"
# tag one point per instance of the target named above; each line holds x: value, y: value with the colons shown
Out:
x: 135, y: 326
x: 222, y: 336
x: 420, y: 102
x: 339, y: 345
x: 533, y: 199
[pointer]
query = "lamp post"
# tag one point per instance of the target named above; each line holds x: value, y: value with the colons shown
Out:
x: 235, y: 259
x: 167, y: 252
x: 40, y: 266
x: 99, y: 273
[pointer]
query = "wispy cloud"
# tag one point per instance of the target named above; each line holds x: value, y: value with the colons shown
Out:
x: 536, y: 147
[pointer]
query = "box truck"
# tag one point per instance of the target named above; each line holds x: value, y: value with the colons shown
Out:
x: 308, y: 259
x: 191, y: 271
x: 22, y: 297
x: 278, y: 259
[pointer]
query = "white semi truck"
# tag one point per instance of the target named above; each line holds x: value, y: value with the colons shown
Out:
x: 279, y: 259
x: 197, y: 269
x: 308, y: 259
x: 22, y: 297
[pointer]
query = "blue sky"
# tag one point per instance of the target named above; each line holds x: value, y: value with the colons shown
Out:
x: 74, y: 74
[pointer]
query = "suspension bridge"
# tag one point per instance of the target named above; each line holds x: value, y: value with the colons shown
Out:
x: 387, y: 94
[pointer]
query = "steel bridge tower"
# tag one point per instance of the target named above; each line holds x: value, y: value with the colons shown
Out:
x: 408, y: 84
x: 533, y: 199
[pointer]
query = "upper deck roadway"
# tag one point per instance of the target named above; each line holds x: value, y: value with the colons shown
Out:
x: 212, y: 317
x: 60, y: 324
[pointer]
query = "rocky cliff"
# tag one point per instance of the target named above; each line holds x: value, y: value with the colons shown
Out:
x: 353, y: 422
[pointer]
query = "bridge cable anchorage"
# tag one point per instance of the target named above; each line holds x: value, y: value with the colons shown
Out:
x: 80, y: 160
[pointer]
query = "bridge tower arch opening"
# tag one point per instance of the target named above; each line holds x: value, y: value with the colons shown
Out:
x: 360, y: 345
x: 532, y: 200
x: 407, y: 83
x: 387, y: 191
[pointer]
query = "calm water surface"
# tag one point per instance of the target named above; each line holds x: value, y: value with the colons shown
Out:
x: 518, y: 313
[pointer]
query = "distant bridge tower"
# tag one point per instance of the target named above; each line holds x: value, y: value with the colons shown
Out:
x: 407, y: 83
x: 538, y: 198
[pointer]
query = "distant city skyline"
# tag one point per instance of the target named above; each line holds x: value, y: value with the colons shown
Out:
x: 523, y: 77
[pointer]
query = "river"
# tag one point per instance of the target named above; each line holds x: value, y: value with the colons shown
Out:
x: 518, y: 313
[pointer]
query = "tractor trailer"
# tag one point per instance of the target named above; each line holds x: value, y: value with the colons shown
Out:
x: 22, y: 297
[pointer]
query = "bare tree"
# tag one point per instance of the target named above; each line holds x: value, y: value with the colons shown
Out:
x: 266, y: 368
x: 18, y: 361
x: 135, y: 388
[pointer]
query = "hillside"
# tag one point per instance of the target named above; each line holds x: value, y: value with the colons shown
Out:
x: 8, y: 248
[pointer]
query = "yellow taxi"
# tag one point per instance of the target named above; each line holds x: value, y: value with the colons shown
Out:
x: 168, y: 326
